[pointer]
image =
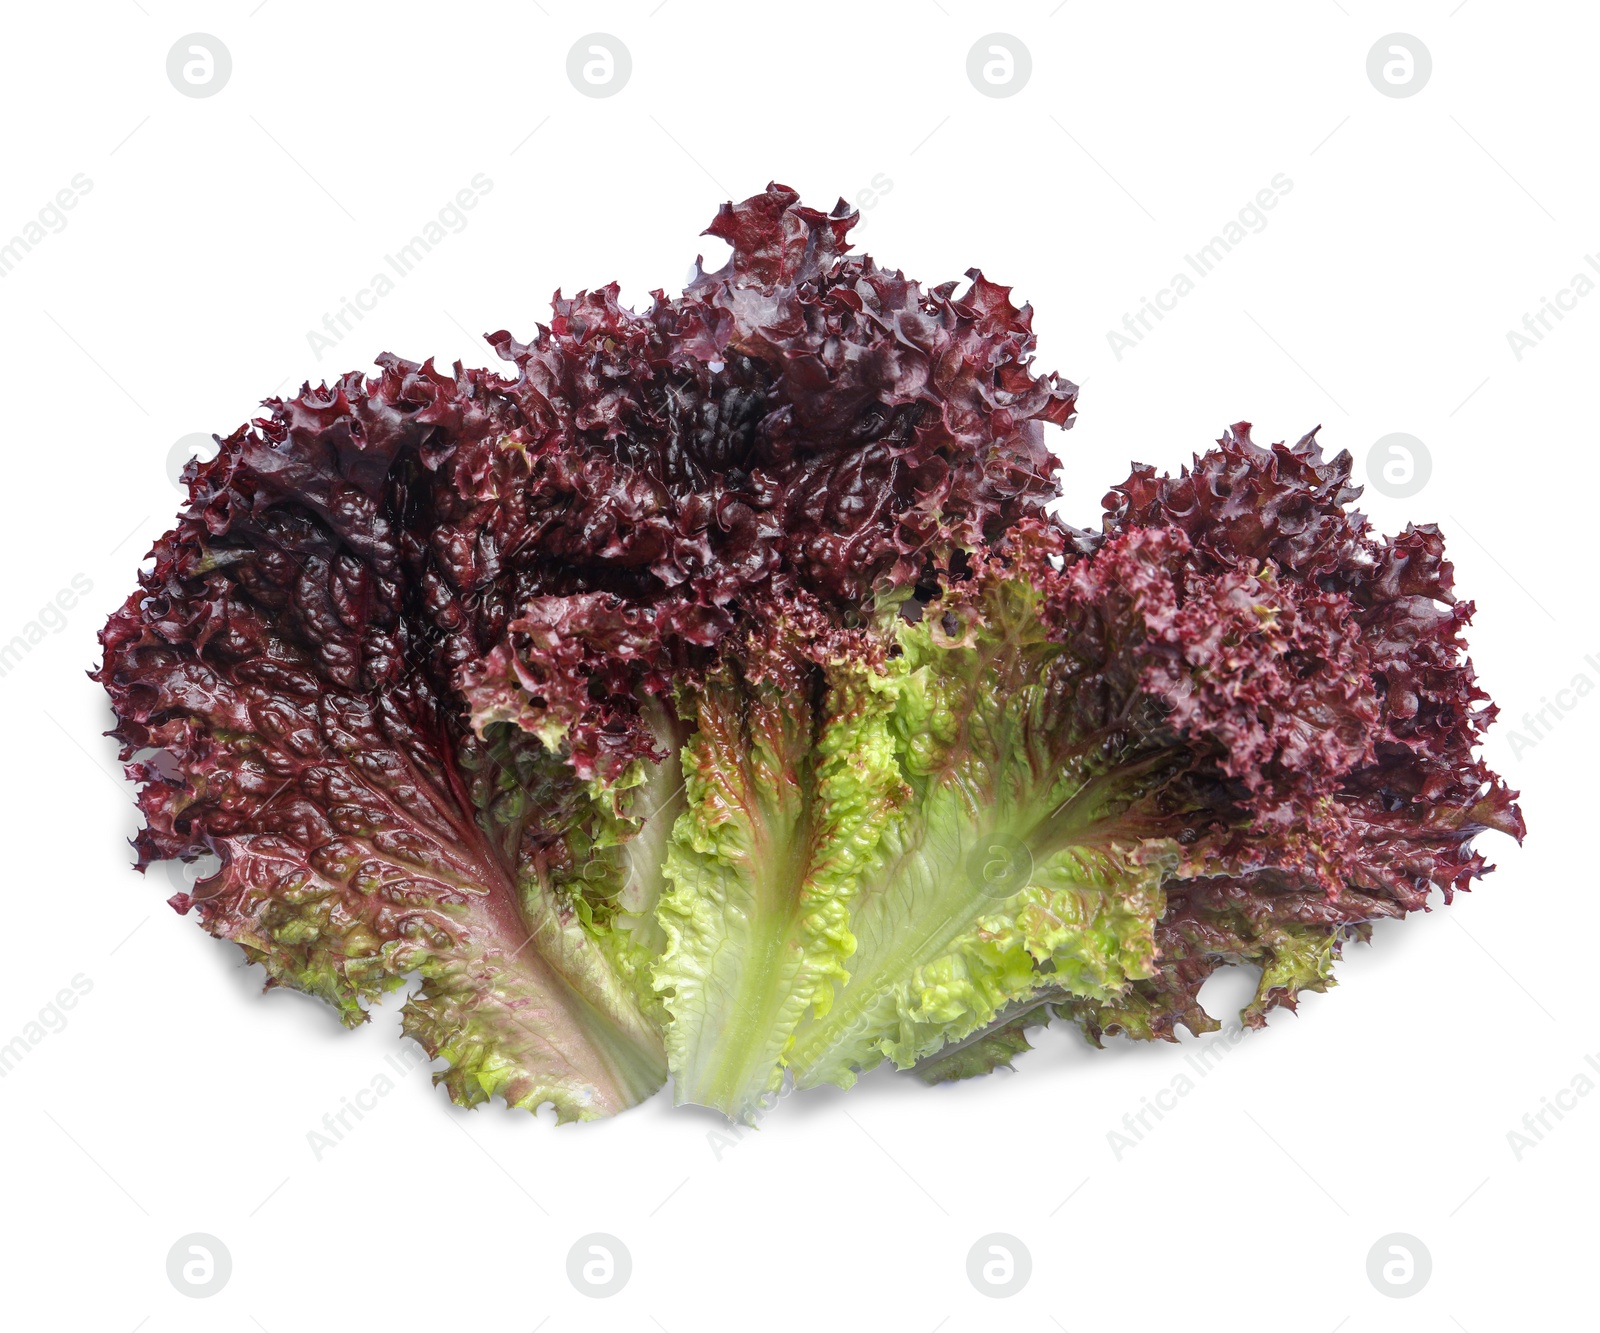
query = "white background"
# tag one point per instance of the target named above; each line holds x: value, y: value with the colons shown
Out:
x: 220, y: 230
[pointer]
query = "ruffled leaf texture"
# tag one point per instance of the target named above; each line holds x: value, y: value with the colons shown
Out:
x: 410, y: 663
x: 1388, y: 794
x: 1089, y: 769
x: 712, y: 696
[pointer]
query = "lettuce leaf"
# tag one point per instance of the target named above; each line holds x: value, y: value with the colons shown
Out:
x: 712, y: 696
x: 1395, y: 820
x: 406, y: 663
x: 791, y: 776
x: 1030, y: 854
x: 277, y: 695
